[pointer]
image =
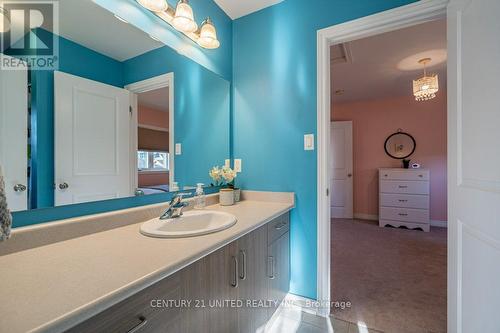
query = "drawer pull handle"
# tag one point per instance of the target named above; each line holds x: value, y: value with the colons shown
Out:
x: 234, y: 283
x: 386, y: 175
x: 403, y: 200
x: 139, y: 326
x: 243, y: 262
x: 403, y: 186
x: 403, y: 214
x: 270, y: 260
x: 421, y: 176
x: 280, y: 226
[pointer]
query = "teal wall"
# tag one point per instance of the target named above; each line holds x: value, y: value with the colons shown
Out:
x: 274, y: 105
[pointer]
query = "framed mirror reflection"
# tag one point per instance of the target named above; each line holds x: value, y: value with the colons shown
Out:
x: 119, y: 115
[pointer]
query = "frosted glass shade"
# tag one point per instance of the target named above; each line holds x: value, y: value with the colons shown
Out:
x: 208, y: 35
x: 426, y: 87
x: 154, y: 5
x: 184, y: 18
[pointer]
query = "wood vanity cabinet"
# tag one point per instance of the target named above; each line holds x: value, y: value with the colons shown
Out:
x: 251, y: 269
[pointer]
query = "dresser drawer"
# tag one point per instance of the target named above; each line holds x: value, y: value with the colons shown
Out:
x: 144, y: 310
x: 404, y: 200
x: 404, y: 214
x: 404, y: 174
x: 404, y: 187
x: 278, y: 227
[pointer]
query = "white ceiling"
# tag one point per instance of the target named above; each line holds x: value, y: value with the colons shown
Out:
x: 238, y: 8
x: 88, y: 24
x: 384, y: 65
x: 154, y: 99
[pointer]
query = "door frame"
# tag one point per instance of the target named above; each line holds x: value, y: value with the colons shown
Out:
x: 393, y: 19
x: 157, y: 82
x: 349, y: 211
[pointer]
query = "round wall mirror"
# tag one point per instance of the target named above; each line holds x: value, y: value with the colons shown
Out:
x: 400, y: 145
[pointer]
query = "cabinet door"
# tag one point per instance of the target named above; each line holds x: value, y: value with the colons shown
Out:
x: 195, y: 292
x: 278, y: 262
x: 252, y: 289
x: 222, y: 280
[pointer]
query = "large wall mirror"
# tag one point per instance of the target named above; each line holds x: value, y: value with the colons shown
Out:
x: 122, y: 115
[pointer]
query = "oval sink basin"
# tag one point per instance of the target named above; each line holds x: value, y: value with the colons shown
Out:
x: 190, y: 224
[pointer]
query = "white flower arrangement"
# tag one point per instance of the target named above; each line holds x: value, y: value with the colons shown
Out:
x: 223, y: 174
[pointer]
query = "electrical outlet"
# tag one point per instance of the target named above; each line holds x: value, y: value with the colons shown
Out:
x: 237, y: 165
x: 227, y: 163
x: 178, y: 149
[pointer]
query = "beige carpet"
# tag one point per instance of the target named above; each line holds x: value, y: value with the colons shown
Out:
x: 394, y: 278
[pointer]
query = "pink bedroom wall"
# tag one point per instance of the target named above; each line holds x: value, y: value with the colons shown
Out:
x: 152, y: 117
x: 373, y: 121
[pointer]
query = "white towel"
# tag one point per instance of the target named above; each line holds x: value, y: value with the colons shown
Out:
x: 5, y: 216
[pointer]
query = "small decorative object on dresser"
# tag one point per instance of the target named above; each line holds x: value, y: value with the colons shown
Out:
x: 404, y: 198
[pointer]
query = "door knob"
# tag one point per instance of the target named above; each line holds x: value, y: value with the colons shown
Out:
x: 349, y: 175
x: 63, y: 186
x: 20, y: 188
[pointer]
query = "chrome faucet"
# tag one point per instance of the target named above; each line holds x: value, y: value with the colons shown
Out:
x: 175, y: 207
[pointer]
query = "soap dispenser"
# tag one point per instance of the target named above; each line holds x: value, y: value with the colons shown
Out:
x: 199, y: 197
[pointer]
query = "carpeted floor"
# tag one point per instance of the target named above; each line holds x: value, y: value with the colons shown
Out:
x: 394, y: 278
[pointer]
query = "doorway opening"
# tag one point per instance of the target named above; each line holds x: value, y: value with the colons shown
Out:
x: 152, y: 102
x: 354, y: 190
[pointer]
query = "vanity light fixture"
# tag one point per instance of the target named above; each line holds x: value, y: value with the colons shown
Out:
x: 154, y: 5
x: 427, y: 86
x: 4, y: 21
x: 182, y: 19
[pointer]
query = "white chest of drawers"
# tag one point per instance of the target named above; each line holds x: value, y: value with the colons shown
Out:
x: 404, y: 198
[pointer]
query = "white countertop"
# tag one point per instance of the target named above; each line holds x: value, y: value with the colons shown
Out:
x: 55, y: 286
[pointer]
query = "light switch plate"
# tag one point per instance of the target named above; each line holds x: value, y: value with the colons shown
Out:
x: 309, y: 142
x: 237, y: 165
x: 178, y: 149
x: 227, y: 163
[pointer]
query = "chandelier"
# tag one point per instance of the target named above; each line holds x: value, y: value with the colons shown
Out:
x: 426, y: 87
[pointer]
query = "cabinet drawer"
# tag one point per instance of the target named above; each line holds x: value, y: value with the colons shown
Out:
x: 404, y: 174
x: 404, y: 200
x: 404, y: 187
x: 146, y: 309
x: 278, y: 227
x: 404, y: 214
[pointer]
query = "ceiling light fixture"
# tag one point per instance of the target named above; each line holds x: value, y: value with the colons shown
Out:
x: 4, y: 21
x: 426, y: 87
x: 182, y: 19
x: 154, y: 5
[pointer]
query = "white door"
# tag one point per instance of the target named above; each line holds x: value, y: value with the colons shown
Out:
x: 474, y: 166
x: 341, y: 169
x: 92, y: 140
x: 14, y: 136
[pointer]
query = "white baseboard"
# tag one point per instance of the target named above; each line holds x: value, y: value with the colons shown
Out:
x: 440, y: 224
x: 300, y: 302
x: 369, y: 217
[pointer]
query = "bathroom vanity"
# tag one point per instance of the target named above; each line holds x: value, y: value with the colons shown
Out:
x: 119, y: 280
